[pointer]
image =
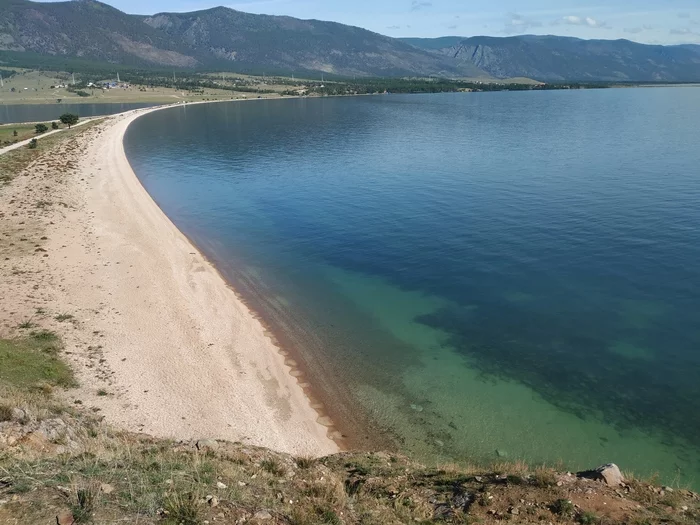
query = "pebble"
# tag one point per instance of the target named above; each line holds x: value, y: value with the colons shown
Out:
x: 262, y: 515
x: 220, y: 485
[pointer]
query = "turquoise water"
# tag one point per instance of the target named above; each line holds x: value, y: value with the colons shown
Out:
x: 467, y: 277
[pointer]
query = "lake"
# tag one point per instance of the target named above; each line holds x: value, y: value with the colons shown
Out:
x: 468, y: 277
x: 15, y: 113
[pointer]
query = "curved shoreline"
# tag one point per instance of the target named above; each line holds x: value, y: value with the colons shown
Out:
x: 190, y: 360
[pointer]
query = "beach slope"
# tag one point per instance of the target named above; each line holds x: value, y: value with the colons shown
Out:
x: 161, y: 343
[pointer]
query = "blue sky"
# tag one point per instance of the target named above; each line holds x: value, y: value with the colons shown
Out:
x: 657, y: 21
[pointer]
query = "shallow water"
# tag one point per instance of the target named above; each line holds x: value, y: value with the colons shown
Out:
x: 11, y: 113
x: 485, y: 276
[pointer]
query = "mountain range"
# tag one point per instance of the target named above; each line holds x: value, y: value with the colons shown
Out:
x: 226, y: 39
x: 556, y: 58
x: 218, y: 38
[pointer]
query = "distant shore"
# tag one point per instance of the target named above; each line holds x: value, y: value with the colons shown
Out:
x: 180, y: 355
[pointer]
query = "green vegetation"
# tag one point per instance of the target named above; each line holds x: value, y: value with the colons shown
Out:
x: 41, y: 128
x: 74, y: 464
x: 563, y: 507
x: 15, y: 161
x: 33, y: 144
x: 33, y: 361
x: 9, y: 134
x: 69, y: 119
x: 54, y: 125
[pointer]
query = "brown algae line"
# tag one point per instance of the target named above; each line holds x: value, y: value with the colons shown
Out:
x: 288, y: 354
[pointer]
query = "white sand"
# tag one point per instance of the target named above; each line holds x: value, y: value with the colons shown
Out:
x: 157, y: 327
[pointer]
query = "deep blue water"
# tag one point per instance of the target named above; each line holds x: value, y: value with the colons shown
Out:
x: 468, y: 276
x: 11, y: 113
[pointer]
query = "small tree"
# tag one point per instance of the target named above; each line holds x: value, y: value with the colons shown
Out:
x: 32, y: 144
x: 69, y: 119
x: 54, y: 125
x: 14, y: 133
x: 41, y: 128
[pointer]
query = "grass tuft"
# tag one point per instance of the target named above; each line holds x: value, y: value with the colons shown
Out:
x: 5, y: 413
x: 563, y: 507
x: 182, y: 509
x: 273, y: 466
x: 304, y: 462
x: 85, y: 503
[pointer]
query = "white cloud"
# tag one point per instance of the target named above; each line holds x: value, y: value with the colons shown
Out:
x: 516, y: 23
x: 683, y: 31
x: 417, y: 5
x: 580, y: 21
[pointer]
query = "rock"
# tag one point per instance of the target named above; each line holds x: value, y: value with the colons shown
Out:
x: 19, y: 415
x: 609, y: 473
x: 514, y: 511
x: 262, y: 515
x: 65, y: 518
x: 221, y: 486
x: 207, y: 445
x: 106, y: 488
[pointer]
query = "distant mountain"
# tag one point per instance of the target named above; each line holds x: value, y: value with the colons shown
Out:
x: 555, y: 58
x: 218, y: 38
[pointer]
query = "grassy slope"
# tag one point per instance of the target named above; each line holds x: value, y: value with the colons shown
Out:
x: 38, y: 91
x: 57, y: 457
x: 24, y: 131
x: 11, y: 163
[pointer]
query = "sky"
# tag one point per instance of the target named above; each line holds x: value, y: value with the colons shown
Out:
x: 647, y: 21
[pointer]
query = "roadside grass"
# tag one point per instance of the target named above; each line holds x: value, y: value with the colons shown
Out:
x: 24, y: 131
x: 13, y: 162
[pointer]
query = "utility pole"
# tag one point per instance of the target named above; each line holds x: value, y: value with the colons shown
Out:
x: 2, y: 84
x: 118, y: 77
x: 74, y: 79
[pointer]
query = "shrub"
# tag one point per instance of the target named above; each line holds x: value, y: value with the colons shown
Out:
x: 54, y: 125
x: 563, y: 507
x: 69, y: 119
x: 5, y: 413
x: 41, y: 128
x: 33, y: 144
x: 588, y: 518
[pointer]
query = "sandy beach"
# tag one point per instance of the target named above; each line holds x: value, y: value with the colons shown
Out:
x: 161, y: 344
